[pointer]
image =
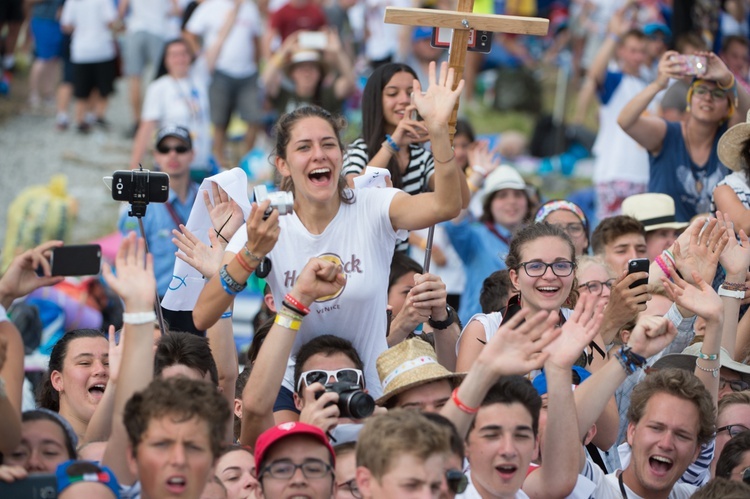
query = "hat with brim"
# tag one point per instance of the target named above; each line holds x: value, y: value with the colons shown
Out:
x: 409, y: 364
x: 305, y: 56
x: 654, y: 211
x: 732, y: 143
x: 503, y: 177
x: 686, y: 360
x: 275, y: 434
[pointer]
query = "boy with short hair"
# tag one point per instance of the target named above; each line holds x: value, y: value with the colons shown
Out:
x: 618, y: 239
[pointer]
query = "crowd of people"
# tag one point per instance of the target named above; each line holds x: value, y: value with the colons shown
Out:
x: 546, y: 352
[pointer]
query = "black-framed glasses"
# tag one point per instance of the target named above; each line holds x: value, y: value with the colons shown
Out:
x: 561, y: 268
x: 456, y: 480
x: 167, y: 149
x: 285, y: 469
x: 596, y: 287
x: 351, y: 487
x: 736, y: 385
x: 746, y: 476
x: 732, y: 429
x: 716, y: 93
x: 573, y: 229
x: 347, y: 374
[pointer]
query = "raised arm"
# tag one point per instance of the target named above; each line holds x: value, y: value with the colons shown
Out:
x: 213, y: 51
x: 422, y: 210
x: 735, y: 259
x: 273, y: 71
x: 318, y: 278
x: 618, y: 25
x: 136, y: 285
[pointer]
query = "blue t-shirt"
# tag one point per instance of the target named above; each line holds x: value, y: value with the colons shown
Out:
x: 674, y: 173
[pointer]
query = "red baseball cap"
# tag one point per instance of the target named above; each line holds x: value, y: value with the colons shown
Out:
x: 284, y: 430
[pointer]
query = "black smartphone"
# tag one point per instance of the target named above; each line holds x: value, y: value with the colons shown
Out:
x: 140, y: 186
x: 76, y: 260
x: 638, y: 265
x: 37, y: 486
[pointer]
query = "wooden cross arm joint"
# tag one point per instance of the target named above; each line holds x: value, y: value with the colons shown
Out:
x: 459, y: 20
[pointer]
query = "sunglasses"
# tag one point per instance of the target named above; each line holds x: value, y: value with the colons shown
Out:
x: 177, y: 149
x: 347, y: 374
x: 456, y: 480
x: 736, y: 385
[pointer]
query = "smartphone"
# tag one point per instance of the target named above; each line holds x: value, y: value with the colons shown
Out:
x: 636, y: 265
x: 140, y: 186
x: 36, y: 486
x: 316, y: 40
x: 693, y: 65
x: 76, y: 260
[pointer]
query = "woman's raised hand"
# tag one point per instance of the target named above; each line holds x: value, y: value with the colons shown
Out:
x: 436, y: 105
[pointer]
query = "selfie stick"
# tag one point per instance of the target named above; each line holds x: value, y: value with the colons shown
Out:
x: 428, y: 249
x: 157, y: 305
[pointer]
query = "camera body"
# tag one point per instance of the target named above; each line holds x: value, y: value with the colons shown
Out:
x: 140, y: 186
x: 353, y: 402
x: 283, y: 201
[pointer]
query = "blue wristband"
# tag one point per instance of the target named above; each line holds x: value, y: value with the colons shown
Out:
x: 392, y: 143
x: 226, y: 315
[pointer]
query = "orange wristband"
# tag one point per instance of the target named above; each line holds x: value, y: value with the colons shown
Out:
x: 463, y: 407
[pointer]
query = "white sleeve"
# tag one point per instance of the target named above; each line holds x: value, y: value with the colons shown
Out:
x: 109, y: 13
x: 152, y: 110
x: 197, y: 22
x: 67, y: 18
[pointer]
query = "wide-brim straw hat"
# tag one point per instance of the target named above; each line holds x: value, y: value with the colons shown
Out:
x: 731, y: 144
x: 686, y: 360
x: 409, y: 364
x: 653, y: 210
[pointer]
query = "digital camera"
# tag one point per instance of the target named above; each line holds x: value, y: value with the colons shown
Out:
x: 353, y: 402
x: 280, y: 200
x: 140, y: 186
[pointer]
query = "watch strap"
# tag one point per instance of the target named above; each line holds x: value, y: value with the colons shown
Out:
x: 447, y: 322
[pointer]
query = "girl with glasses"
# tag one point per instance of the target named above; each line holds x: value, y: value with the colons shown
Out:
x: 683, y: 155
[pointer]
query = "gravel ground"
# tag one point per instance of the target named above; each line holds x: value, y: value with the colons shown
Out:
x: 32, y: 150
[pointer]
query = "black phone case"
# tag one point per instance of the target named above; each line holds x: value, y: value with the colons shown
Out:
x: 638, y: 265
x: 37, y: 486
x: 76, y: 260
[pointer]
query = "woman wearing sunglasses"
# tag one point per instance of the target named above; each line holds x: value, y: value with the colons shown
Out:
x: 683, y: 155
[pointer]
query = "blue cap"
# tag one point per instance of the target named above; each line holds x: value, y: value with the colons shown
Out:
x: 72, y: 471
x: 421, y: 33
x: 653, y: 28
x: 540, y: 382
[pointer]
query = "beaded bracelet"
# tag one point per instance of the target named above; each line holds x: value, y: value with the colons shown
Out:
x: 250, y: 254
x: 714, y: 371
x: 231, y: 287
x: 734, y: 286
x: 703, y: 356
x: 392, y: 143
x: 297, y: 305
x: 461, y: 406
x: 663, y: 267
x: 388, y: 148
x: 291, y: 315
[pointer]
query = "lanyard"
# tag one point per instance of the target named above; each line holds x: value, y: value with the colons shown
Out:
x: 491, y: 227
x: 173, y: 214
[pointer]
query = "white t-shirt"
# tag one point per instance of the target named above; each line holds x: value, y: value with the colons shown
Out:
x: 361, y: 238
x: 237, y: 56
x: 148, y: 15
x: 472, y: 493
x: 608, y: 487
x: 91, y: 40
x: 183, y: 102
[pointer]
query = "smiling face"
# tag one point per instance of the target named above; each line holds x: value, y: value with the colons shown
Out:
x: 42, y: 447
x: 707, y: 107
x: 594, y: 272
x: 236, y: 470
x: 313, y: 160
x: 83, y: 378
x: 509, y: 207
x: 297, y: 449
x: 177, y: 59
x: 664, y: 443
x: 547, y: 292
x: 396, y: 97
x: 573, y: 227
x: 173, y: 458
x: 500, y: 447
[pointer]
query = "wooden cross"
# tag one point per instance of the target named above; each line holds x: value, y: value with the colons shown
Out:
x: 461, y: 21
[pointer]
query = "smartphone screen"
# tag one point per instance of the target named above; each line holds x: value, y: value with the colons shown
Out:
x: 36, y: 486
x: 76, y: 260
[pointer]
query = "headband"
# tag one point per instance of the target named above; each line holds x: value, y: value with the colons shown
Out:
x: 561, y: 204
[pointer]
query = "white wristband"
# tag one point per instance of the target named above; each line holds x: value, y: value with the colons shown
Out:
x: 740, y: 295
x: 3, y: 314
x: 138, y: 318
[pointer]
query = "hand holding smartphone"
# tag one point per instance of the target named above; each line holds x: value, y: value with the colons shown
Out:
x: 75, y: 260
x: 693, y: 65
x: 636, y: 265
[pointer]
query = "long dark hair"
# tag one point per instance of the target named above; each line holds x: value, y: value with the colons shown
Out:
x: 373, y: 124
x: 47, y: 396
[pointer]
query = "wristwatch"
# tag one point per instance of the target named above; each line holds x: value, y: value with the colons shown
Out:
x: 447, y: 322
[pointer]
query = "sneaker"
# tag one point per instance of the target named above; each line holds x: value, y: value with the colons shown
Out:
x: 62, y: 122
x: 83, y: 128
x: 102, y: 123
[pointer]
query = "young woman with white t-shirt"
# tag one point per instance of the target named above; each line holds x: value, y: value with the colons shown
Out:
x: 356, y: 229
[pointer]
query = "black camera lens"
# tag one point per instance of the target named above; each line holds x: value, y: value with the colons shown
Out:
x: 356, y: 405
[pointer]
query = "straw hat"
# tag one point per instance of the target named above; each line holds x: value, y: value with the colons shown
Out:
x: 409, y: 364
x: 503, y: 177
x: 731, y: 143
x: 686, y: 360
x: 653, y: 210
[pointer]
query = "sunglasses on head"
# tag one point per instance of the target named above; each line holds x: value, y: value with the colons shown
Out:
x: 347, y: 374
x: 456, y: 480
x: 178, y: 149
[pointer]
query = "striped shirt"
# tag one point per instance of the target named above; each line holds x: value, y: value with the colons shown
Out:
x: 415, y: 179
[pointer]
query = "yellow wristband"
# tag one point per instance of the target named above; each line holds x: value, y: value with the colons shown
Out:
x: 287, y: 322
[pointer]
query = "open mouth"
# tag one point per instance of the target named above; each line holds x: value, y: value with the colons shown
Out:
x: 660, y: 465
x: 506, y: 471
x: 320, y: 175
x: 548, y: 290
x: 97, y: 390
x: 176, y: 484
